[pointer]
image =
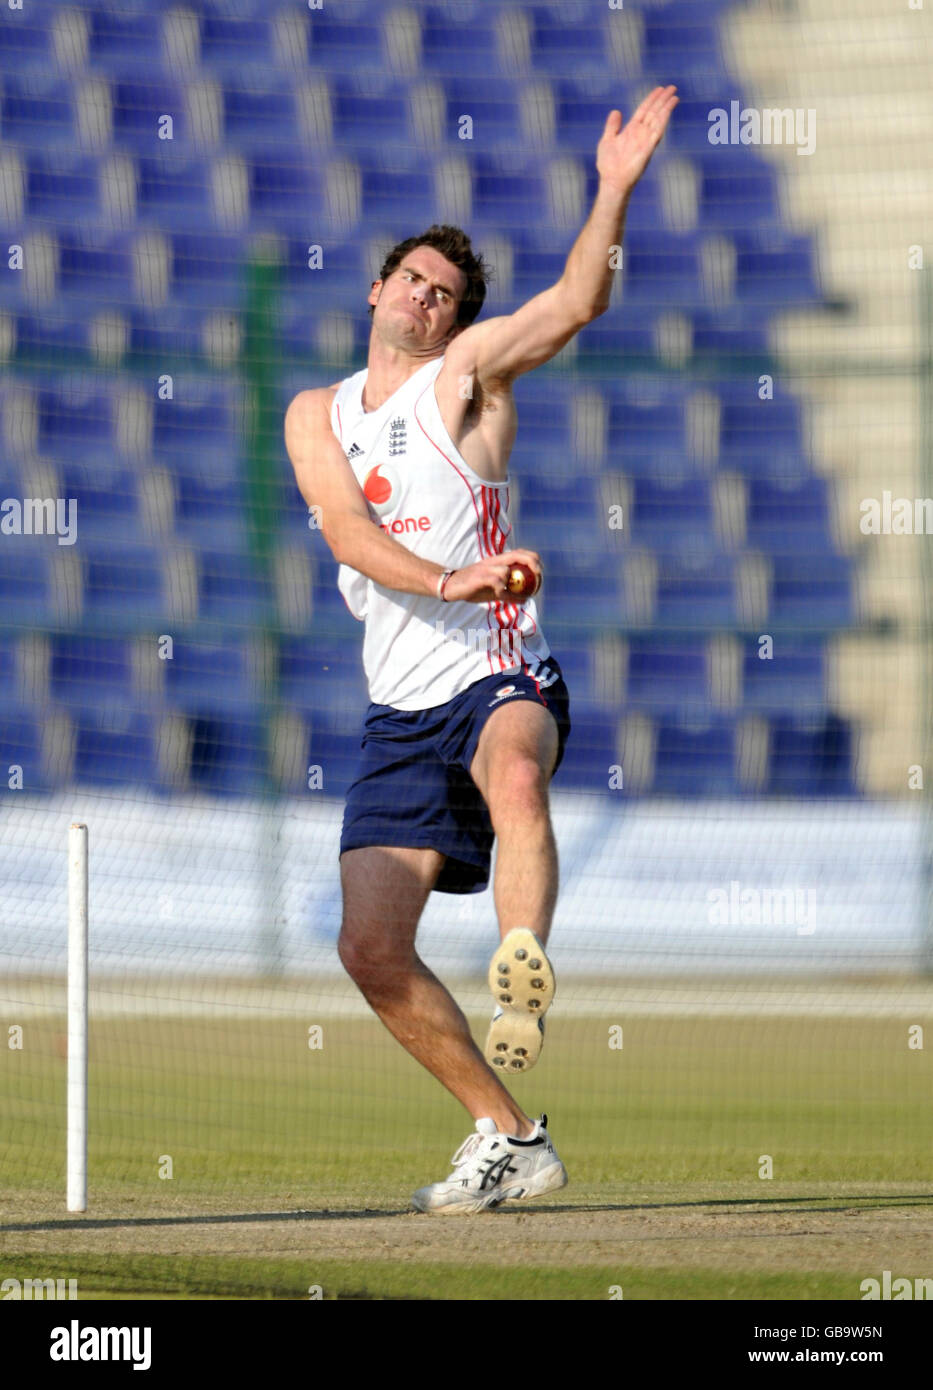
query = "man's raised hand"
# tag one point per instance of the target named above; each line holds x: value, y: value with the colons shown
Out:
x: 623, y: 152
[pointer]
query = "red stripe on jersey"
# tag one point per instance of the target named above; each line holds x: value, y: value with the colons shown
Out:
x: 480, y: 523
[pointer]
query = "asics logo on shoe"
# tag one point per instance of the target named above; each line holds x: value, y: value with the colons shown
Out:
x: 496, y: 1171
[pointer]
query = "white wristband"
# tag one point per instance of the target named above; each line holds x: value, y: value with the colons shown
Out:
x: 441, y: 582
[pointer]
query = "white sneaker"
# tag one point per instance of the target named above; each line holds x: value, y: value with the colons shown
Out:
x: 491, y: 1168
x: 522, y: 984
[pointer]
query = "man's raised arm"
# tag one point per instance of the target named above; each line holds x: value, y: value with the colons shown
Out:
x: 500, y: 349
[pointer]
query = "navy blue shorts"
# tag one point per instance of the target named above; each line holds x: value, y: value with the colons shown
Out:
x: 413, y: 786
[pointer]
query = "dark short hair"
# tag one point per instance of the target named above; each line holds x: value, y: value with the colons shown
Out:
x: 454, y: 245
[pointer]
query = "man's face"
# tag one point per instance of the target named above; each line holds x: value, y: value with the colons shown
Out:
x: 416, y: 306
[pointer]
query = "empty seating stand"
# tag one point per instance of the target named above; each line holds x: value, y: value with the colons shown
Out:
x: 675, y: 504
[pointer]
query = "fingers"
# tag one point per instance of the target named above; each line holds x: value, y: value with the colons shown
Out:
x: 526, y: 557
x: 657, y: 106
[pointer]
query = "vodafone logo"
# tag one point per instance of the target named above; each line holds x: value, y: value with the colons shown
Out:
x: 381, y: 488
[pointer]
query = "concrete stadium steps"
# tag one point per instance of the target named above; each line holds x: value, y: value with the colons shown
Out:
x: 865, y: 193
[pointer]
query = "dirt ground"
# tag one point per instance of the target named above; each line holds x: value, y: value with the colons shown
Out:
x: 651, y: 1230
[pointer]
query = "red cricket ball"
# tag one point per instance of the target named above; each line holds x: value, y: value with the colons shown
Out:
x: 523, y: 581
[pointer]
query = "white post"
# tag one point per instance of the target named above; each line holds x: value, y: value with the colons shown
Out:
x: 77, y: 1018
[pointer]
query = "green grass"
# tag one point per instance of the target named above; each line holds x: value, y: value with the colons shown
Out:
x: 196, y: 1277
x: 257, y: 1123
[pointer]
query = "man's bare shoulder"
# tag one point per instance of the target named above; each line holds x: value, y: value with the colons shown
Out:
x: 311, y: 403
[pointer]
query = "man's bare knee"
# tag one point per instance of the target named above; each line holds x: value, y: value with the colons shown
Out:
x: 384, y: 893
x: 375, y: 963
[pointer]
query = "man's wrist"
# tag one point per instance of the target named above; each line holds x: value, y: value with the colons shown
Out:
x: 442, y: 584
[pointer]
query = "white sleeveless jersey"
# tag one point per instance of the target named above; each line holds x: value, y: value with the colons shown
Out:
x: 419, y: 651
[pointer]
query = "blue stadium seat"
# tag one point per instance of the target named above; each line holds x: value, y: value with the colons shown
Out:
x: 232, y: 589
x: 753, y: 430
x: 396, y: 186
x: 62, y: 186
x: 25, y: 46
x: 810, y: 755
x: 663, y: 268
x: 627, y: 335
x: 740, y: 329
x: 315, y: 670
x: 21, y: 746
x: 139, y: 104
x: 695, y: 756
x: 738, y: 189
x: 551, y: 505
x: 96, y: 267
x: 457, y: 44
x: 115, y: 747
x: 207, y: 268
x: 65, y: 330
x: 583, y: 590
x: 123, y: 583
x: 690, y: 125
x: 25, y: 582
x: 695, y: 588
x: 509, y: 188
x: 345, y: 271
x: 775, y: 267
x: 174, y: 190
x: 172, y: 328
x: 9, y: 672
x: 544, y: 443
x: 211, y: 508
x: 258, y: 116
x: 646, y: 420
x: 494, y: 108
x: 90, y: 672
x: 681, y: 40
x: 591, y: 750
x: 231, y: 42
x: 75, y: 417
x: 581, y: 108
x: 538, y: 261
x: 202, y: 417
x: 228, y: 755
x: 106, y: 494
x: 563, y: 46
x: 812, y: 591
x: 793, y: 678
x: 324, y: 681
x: 788, y: 516
x: 667, y: 509
x: 36, y: 109
x: 347, y: 38
x: 665, y: 675
x: 119, y: 39
x: 362, y: 103
x: 284, y: 189
x: 211, y: 679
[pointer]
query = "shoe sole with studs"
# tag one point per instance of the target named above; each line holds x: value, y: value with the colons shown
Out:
x: 522, y: 984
